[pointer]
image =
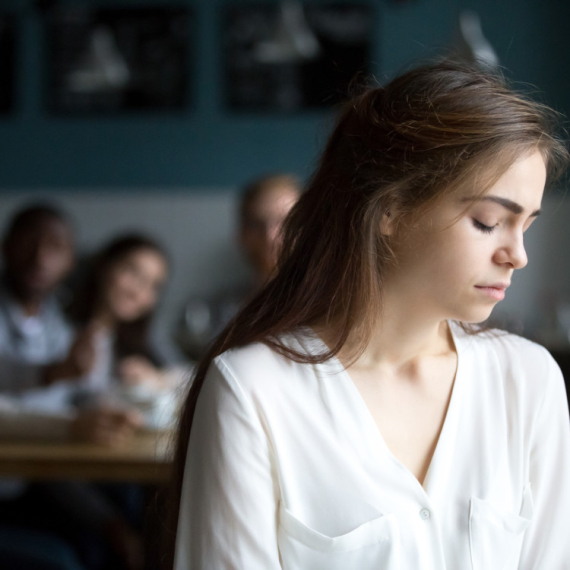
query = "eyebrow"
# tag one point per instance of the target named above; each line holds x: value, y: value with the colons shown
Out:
x: 505, y: 202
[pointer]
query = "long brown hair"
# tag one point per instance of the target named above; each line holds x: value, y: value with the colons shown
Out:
x: 397, y: 150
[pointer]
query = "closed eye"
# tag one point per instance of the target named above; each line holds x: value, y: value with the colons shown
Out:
x: 482, y: 227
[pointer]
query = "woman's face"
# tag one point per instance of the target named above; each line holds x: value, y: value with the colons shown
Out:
x: 133, y: 284
x: 458, y: 260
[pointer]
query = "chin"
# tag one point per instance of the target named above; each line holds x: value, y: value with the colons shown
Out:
x: 474, y: 316
x: 130, y: 318
x: 127, y: 316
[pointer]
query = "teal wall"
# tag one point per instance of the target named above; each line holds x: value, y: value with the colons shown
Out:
x: 205, y: 146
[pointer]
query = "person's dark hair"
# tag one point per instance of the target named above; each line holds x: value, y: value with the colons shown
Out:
x: 396, y: 149
x: 31, y: 215
x: 132, y: 338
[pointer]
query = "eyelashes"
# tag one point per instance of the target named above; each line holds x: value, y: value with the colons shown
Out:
x: 482, y: 227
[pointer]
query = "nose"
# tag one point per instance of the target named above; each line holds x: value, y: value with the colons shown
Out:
x: 513, y: 253
x: 40, y: 255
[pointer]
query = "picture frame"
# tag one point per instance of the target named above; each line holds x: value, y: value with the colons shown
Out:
x: 118, y: 60
x: 291, y: 56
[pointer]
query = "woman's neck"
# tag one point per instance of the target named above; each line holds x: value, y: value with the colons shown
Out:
x: 400, y: 337
x: 396, y: 343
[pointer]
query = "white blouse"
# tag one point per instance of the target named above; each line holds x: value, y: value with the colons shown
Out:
x: 286, y: 468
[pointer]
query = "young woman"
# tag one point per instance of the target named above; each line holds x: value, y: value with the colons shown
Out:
x: 113, y: 310
x: 347, y: 418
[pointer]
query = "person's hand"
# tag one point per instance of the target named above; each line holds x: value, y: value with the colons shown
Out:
x: 135, y: 370
x: 105, y: 426
x: 83, y: 353
x: 80, y: 359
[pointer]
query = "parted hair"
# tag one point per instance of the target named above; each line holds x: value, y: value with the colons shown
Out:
x: 395, y: 150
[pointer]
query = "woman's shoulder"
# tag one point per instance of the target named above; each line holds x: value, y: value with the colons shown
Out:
x: 260, y: 366
x: 250, y: 358
x: 512, y: 347
x: 522, y: 362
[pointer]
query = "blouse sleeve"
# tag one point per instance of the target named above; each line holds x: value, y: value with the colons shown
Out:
x: 228, y: 511
x: 546, y: 543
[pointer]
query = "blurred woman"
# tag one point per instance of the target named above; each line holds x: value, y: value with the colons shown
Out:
x: 113, y: 311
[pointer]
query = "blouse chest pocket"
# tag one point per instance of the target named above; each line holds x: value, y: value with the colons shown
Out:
x: 496, y: 535
x: 372, y: 545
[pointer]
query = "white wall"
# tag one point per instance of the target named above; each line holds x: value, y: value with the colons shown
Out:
x: 198, y: 229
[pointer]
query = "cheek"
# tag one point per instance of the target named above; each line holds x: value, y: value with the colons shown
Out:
x: 447, y: 258
x: 119, y: 284
x: 147, y: 300
x: 59, y: 264
x: 67, y: 261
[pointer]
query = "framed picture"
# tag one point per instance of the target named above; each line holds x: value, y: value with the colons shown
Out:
x: 7, y: 62
x: 291, y: 56
x: 110, y: 60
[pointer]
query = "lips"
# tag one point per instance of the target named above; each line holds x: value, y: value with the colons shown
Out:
x: 495, y: 291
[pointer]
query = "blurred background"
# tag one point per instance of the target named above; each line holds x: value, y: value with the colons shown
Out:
x: 172, y: 162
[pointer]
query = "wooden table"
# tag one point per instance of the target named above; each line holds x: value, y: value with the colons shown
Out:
x: 146, y: 459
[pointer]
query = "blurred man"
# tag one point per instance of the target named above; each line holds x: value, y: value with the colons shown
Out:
x: 264, y: 205
x: 36, y: 350
x: 38, y: 251
x: 37, y: 346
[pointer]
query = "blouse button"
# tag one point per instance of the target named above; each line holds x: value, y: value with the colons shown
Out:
x: 425, y: 514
